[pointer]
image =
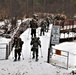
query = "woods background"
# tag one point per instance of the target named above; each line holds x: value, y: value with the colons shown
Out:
x: 22, y: 7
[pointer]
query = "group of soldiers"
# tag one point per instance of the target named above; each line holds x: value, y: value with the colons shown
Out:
x: 44, y: 24
x: 35, y: 41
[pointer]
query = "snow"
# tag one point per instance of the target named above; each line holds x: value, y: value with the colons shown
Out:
x: 71, y: 48
x: 29, y: 66
x: 2, y: 23
x: 4, y: 40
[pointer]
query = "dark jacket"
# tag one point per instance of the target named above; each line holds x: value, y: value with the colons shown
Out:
x: 33, y: 24
x: 35, y: 42
x: 17, y: 43
x: 43, y: 25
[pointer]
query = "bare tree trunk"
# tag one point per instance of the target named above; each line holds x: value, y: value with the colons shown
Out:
x: 26, y: 6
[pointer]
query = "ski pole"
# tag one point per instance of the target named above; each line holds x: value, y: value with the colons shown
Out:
x: 41, y: 53
x: 22, y: 56
x: 12, y: 53
x: 30, y: 54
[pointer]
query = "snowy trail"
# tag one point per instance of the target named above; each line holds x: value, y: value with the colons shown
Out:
x: 28, y: 66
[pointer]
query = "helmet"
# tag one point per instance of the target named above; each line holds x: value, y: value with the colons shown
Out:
x: 35, y: 16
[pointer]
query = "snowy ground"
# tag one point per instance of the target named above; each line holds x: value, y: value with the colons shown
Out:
x: 2, y: 23
x: 28, y: 66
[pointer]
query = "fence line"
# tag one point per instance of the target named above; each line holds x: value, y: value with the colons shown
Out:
x: 60, y: 53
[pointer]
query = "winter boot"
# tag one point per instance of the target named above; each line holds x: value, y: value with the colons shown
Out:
x: 15, y: 59
x: 37, y: 59
x: 33, y: 57
x: 18, y: 58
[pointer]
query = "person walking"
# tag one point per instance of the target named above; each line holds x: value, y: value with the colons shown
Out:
x: 18, y: 47
x: 43, y: 28
x: 35, y: 42
x: 33, y: 26
x: 48, y: 23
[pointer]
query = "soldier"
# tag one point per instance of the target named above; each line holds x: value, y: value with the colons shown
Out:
x: 43, y: 27
x: 35, y: 42
x: 14, y: 22
x: 48, y: 22
x: 33, y: 26
x: 18, y: 47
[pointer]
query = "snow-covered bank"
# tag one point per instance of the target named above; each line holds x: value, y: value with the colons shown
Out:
x: 71, y: 48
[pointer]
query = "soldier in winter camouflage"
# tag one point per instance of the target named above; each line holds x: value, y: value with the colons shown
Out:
x: 35, y: 42
x: 33, y: 26
x: 18, y: 47
x: 43, y: 27
x: 48, y: 22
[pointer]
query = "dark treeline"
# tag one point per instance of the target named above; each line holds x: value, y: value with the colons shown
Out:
x: 22, y: 7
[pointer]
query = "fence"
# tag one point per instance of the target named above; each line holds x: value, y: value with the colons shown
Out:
x: 59, y: 58
x: 3, y: 51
